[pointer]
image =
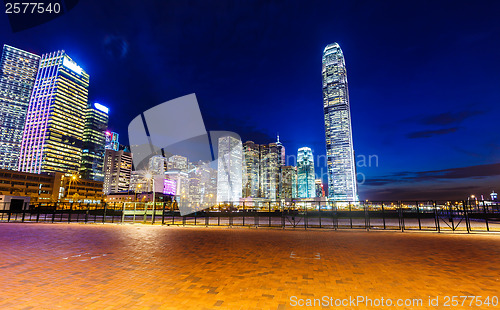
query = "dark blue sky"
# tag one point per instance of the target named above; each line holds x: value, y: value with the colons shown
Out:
x: 424, y: 77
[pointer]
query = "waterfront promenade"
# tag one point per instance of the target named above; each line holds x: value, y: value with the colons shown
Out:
x: 96, y: 266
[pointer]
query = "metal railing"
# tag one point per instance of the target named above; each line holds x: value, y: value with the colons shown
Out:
x: 465, y: 216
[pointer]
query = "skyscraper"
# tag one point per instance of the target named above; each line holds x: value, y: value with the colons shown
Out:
x: 117, y: 171
x: 319, y: 188
x: 18, y: 70
x: 94, y: 139
x: 342, y: 183
x: 288, y: 181
x: 53, y: 134
x: 281, y: 164
x: 281, y: 152
x: 270, y: 171
x: 252, y: 166
x: 305, y: 173
x: 229, y: 169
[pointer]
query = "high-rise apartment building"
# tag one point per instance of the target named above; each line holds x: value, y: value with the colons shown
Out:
x: 94, y: 139
x: 18, y: 71
x: 229, y: 169
x: 117, y: 171
x: 305, y: 173
x: 342, y: 183
x: 53, y: 133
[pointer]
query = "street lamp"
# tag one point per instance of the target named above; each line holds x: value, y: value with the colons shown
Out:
x: 74, y: 178
x: 137, y: 189
x: 471, y: 197
x: 149, y: 176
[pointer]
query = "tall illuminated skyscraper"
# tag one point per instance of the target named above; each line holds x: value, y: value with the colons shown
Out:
x: 342, y: 183
x: 288, y: 182
x: 94, y: 139
x: 270, y: 156
x: 18, y: 70
x: 53, y: 134
x: 117, y: 171
x: 229, y: 170
x: 281, y: 152
x: 251, y: 154
x: 305, y: 173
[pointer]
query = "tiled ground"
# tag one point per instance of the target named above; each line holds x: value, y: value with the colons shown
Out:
x: 78, y: 266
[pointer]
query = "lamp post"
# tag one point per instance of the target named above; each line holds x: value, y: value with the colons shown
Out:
x: 149, y: 176
x: 72, y: 179
x: 137, y: 189
x: 469, y: 198
x: 154, y: 202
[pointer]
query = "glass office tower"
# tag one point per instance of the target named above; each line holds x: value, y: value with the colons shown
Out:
x: 94, y: 140
x: 18, y: 70
x: 342, y: 183
x: 53, y: 134
x: 229, y: 170
x: 251, y: 153
x: 288, y: 182
x: 305, y: 173
x: 270, y: 170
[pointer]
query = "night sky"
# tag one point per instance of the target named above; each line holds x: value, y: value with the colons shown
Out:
x: 424, y: 78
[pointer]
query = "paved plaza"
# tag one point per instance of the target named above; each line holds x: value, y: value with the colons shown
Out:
x: 95, y: 266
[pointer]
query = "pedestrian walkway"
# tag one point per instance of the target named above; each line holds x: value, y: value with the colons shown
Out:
x: 95, y: 266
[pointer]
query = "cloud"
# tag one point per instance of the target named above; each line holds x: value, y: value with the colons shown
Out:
x: 413, y: 193
x: 449, y: 118
x: 441, y: 119
x: 470, y: 172
x: 430, y: 133
x: 445, y: 184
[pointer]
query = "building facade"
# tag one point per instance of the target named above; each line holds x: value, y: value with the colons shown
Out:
x: 288, y: 182
x: 18, y: 71
x: 251, y: 184
x: 263, y: 173
x: 305, y: 173
x: 117, y: 171
x: 229, y: 169
x: 49, y: 187
x: 94, y: 139
x: 320, y: 192
x: 53, y: 134
x: 112, y: 141
x: 270, y: 158
x: 341, y: 165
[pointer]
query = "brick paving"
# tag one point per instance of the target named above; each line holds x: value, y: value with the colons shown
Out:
x: 77, y: 266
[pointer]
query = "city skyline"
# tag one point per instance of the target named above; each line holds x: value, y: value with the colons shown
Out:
x: 421, y: 152
x: 249, y: 154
